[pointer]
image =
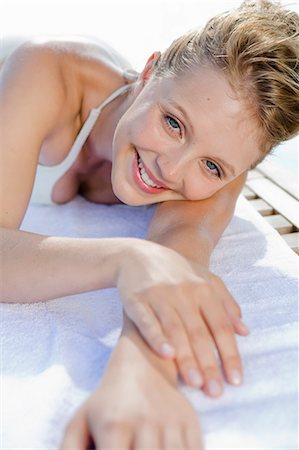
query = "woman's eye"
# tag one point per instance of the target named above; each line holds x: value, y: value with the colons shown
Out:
x: 172, y: 124
x: 213, y: 168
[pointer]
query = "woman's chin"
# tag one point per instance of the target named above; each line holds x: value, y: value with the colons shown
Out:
x: 128, y: 198
x: 132, y: 199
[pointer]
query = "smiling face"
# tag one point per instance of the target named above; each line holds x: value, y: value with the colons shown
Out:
x: 188, y: 135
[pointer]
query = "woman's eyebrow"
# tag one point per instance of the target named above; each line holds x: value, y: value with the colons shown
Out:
x: 228, y: 166
x: 183, y: 112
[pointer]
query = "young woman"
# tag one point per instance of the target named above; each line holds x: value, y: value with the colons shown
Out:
x: 182, y: 133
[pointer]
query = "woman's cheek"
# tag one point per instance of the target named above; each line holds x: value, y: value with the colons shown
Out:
x: 199, y: 188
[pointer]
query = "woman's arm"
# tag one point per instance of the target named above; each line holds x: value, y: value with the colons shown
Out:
x: 33, y: 100
x: 193, y: 228
x: 38, y: 268
x: 136, y: 406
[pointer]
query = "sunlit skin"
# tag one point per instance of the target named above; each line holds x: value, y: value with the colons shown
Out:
x: 184, y: 153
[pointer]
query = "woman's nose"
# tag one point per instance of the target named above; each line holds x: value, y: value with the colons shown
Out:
x: 172, y: 167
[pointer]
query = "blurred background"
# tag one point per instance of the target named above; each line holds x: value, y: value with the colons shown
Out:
x: 136, y: 28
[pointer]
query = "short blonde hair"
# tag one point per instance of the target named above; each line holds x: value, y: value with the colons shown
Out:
x: 257, y: 47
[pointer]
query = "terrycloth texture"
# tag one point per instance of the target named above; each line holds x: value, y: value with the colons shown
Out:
x: 54, y: 353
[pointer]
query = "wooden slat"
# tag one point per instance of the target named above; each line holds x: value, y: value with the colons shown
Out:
x: 280, y: 176
x: 282, y: 225
x: 280, y: 200
x: 248, y: 193
x: 262, y: 207
x: 252, y: 174
x: 292, y: 239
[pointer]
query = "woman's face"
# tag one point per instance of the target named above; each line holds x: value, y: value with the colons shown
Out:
x: 181, y: 138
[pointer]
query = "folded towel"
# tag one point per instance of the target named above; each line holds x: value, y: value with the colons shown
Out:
x: 54, y: 353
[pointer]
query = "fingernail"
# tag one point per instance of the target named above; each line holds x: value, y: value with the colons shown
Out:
x: 195, y: 377
x: 243, y: 327
x: 214, y: 388
x: 167, y: 350
x: 235, y: 377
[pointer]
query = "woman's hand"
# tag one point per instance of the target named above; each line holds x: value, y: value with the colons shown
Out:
x: 135, y: 408
x: 182, y: 315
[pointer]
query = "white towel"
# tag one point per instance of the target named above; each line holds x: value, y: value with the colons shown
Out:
x: 54, y: 353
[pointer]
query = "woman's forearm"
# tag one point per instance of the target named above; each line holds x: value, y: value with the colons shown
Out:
x: 136, y: 403
x: 190, y: 240
x: 193, y: 228
x: 133, y: 351
x: 36, y: 268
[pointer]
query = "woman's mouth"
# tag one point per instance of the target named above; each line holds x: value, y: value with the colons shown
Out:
x: 144, y: 178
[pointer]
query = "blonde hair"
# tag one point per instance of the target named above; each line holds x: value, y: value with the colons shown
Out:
x: 257, y: 47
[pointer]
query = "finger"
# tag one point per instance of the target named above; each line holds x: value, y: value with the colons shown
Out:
x: 112, y: 437
x: 76, y: 436
x: 234, y: 314
x: 230, y: 303
x: 232, y: 308
x: 173, y: 439
x: 202, y: 347
x: 238, y: 325
x: 148, y: 438
x: 150, y: 328
x: 225, y: 340
x: 194, y: 439
x: 204, y: 350
x: 185, y: 358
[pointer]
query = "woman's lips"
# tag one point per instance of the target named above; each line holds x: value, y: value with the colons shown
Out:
x: 139, y: 181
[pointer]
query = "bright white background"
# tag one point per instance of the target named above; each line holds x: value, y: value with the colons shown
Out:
x: 136, y: 28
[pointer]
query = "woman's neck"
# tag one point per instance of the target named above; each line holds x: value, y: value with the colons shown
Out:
x: 103, y: 133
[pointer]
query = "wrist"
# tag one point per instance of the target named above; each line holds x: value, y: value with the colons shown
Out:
x: 133, y: 353
x: 201, y: 268
x: 123, y: 250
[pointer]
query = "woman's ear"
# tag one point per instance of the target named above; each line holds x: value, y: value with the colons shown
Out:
x: 148, y: 68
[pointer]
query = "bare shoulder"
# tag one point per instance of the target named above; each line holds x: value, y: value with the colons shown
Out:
x: 34, y: 69
x: 80, y: 48
x: 32, y: 96
x: 65, y: 67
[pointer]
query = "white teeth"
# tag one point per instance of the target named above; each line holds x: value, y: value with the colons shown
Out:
x: 145, y: 176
